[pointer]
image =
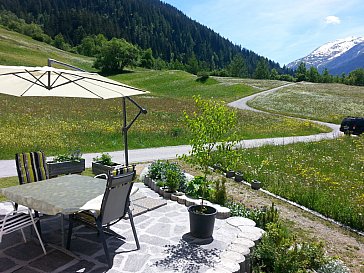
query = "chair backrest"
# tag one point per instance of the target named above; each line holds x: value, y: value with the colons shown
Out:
x: 115, y: 203
x: 31, y: 167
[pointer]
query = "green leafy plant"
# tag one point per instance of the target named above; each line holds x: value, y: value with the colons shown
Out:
x: 220, y: 195
x: 75, y: 155
x: 279, y: 252
x: 156, y: 169
x: 196, y: 187
x: 104, y: 159
x: 261, y: 216
x: 172, y: 179
x: 211, y: 128
x: 169, y: 173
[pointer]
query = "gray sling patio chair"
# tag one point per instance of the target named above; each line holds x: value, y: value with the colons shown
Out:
x: 17, y: 220
x: 114, y: 206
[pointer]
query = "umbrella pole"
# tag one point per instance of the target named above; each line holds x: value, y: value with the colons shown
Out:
x: 125, y: 133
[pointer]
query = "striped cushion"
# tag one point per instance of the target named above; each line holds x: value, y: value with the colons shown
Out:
x: 123, y: 169
x: 31, y: 167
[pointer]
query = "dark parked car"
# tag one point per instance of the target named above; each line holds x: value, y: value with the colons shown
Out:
x: 352, y: 125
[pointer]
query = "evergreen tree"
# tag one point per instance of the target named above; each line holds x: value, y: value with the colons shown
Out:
x: 274, y: 74
x: 326, y: 77
x: 313, y: 75
x: 60, y: 43
x: 262, y: 70
x: 356, y: 77
x: 301, y: 72
x: 147, y: 59
x: 237, y: 67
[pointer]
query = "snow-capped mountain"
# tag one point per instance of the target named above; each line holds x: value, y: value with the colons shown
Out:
x: 343, y: 55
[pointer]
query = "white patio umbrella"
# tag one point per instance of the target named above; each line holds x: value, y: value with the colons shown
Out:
x: 48, y: 81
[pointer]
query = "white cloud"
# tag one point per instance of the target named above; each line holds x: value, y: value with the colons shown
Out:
x: 332, y: 20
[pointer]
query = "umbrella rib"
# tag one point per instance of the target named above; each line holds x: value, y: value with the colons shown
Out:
x: 36, y: 79
x: 111, y: 83
x: 52, y: 85
x: 75, y: 82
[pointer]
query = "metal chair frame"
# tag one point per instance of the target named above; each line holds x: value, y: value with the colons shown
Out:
x: 16, y: 220
x: 115, y: 205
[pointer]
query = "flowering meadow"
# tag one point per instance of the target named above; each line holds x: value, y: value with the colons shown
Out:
x: 325, y: 102
x: 326, y: 176
x: 58, y: 125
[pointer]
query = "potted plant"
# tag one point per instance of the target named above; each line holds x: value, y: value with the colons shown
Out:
x: 103, y: 164
x: 255, y: 185
x: 239, y: 176
x: 69, y: 163
x: 210, y: 129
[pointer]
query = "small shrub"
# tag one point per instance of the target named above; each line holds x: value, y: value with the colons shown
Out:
x: 195, y: 187
x: 170, y: 173
x: 75, y: 155
x: 238, y: 209
x: 202, y: 76
x: 333, y: 266
x: 220, y: 195
x: 280, y: 252
x: 104, y: 159
x: 172, y: 179
x: 262, y: 217
x: 156, y: 170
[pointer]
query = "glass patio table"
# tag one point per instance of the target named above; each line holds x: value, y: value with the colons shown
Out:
x: 61, y: 195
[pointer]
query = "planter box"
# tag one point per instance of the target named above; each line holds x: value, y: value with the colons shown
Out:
x: 98, y: 168
x: 66, y: 167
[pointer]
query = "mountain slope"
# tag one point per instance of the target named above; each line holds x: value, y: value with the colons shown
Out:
x: 18, y: 49
x: 150, y: 24
x: 340, y: 56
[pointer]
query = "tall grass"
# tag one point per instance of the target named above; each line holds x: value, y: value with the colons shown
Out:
x: 325, y: 102
x: 326, y: 176
x: 56, y: 125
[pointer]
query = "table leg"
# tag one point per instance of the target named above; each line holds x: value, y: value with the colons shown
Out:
x: 36, y: 214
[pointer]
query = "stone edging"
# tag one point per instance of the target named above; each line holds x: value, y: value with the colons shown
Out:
x: 222, y: 212
x: 236, y: 258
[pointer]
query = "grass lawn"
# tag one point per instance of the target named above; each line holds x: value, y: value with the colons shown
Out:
x: 326, y: 176
x: 325, y: 102
x: 56, y: 125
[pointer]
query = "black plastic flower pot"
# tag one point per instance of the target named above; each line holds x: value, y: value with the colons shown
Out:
x: 230, y: 174
x: 238, y: 177
x: 202, y: 221
x: 256, y: 185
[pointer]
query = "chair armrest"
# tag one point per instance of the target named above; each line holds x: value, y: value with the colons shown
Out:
x: 104, y: 175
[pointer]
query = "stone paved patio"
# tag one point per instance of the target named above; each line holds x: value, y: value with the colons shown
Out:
x: 166, y: 245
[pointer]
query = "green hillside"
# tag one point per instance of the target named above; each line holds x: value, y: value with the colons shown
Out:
x: 172, y: 36
x: 18, y: 49
x: 57, y: 125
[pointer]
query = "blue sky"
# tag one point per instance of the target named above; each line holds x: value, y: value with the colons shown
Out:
x: 281, y: 30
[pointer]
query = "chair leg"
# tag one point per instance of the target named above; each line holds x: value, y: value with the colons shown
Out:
x: 69, y: 235
x: 40, y: 240
x: 22, y: 233
x: 36, y: 231
x: 36, y: 214
x: 133, y: 228
x: 102, y: 237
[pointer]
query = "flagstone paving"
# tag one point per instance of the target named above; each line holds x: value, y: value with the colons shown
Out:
x: 163, y: 232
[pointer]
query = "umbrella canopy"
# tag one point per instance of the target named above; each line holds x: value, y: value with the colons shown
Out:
x: 52, y: 82
x: 48, y: 81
